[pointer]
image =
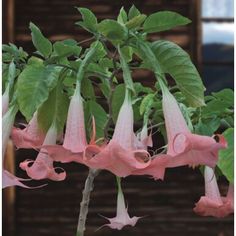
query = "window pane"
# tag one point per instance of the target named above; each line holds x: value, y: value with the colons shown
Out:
x: 218, y: 8
x: 218, y: 33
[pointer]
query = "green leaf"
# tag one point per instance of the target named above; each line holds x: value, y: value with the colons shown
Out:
x: 55, y: 109
x: 33, y: 86
x: 92, y: 108
x: 127, y: 52
x: 207, y: 127
x: 87, y: 89
x: 146, y: 103
x: 136, y: 21
x: 226, y: 156
x: 225, y: 95
x: 66, y: 48
x: 133, y: 12
x: 89, y: 20
x: 176, y: 62
x: 164, y: 20
x: 117, y: 100
x: 112, y: 30
x: 105, y: 88
x: 122, y: 17
x: 42, y: 44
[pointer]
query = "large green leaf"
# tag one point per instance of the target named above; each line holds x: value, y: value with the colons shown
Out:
x: 164, y: 20
x: 33, y: 86
x: 89, y: 20
x: 42, y: 44
x: 54, y: 109
x: 175, y: 61
x: 112, y: 30
x: 226, y: 157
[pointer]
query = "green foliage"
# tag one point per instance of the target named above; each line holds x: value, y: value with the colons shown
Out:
x: 42, y: 44
x: 11, y: 52
x: 164, y: 20
x: 226, y: 157
x: 113, y: 30
x: 122, y: 17
x: 33, y: 86
x: 89, y: 22
x: 54, y: 109
x: 136, y: 21
x: 93, y: 109
x: 133, y: 12
x: 176, y: 62
x: 66, y: 48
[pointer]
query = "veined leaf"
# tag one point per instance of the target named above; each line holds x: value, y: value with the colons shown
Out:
x: 226, y: 156
x: 176, y: 62
x: 164, y: 20
x: 42, y: 44
x: 146, y: 103
x: 33, y: 86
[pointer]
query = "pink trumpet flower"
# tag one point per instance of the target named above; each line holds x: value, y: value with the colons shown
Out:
x: 120, y: 156
x: 212, y: 204
x: 75, y: 141
x: 9, y: 179
x: 29, y: 137
x: 187, y: 148
x: 122, y: 217
x: 42, y: 167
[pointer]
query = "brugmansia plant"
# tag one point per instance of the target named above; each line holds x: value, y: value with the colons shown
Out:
x: 63, y: 85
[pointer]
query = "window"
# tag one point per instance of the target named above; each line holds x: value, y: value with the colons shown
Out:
x: 218, y: 40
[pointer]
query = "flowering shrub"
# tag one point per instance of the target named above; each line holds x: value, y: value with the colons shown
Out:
x: 61, y: 84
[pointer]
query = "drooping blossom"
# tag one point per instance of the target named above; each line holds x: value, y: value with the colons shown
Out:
x: 120, y: 156
x: 212, y: 204
x: 42, y: 167
x: 158, y: 163
x: 75, y: 142
x: 187, y: 148
x: 122, y: 217
x: 29, y: 137
x: 9, y: 179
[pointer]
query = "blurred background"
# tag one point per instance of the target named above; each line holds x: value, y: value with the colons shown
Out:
x: 53, y: 210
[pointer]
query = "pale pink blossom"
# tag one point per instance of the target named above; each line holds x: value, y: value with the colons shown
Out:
x: 122, y: 217
x: 42, y: 167
x: 29, y: 137
x: 187, y: 148
x: 121, y: 156
x: 212, y: 204
x: 9, y: 179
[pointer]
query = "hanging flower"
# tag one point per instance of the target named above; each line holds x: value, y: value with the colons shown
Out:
x: 187, y: 148
x: 42, y: 167
x: 9, y: 179
x: 212, y: 204
x: 75, y: 141
x: 29, y: 137
x: 120, y: 156
x: 122, y: 217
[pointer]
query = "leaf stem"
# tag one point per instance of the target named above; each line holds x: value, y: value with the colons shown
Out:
x: 88, y: 187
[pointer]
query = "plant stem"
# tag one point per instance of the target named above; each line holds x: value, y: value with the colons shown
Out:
x: 88, y: 187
